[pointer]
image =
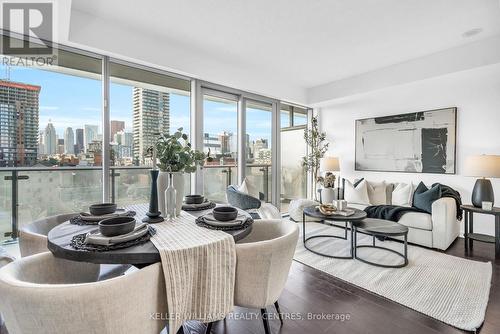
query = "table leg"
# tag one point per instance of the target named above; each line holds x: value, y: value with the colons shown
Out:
x: 466, y: 230
x: 406, y: 247
x: 497, y: 237
x: 471, y: 229
x: 373, y: 240
x: 304, y: 228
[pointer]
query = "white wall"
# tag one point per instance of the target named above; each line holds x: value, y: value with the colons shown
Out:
x: 476, y: 94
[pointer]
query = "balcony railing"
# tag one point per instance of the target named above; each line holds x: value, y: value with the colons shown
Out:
x: 31, y: 193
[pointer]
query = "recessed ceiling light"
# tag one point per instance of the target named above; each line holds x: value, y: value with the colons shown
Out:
x: 472, y: 32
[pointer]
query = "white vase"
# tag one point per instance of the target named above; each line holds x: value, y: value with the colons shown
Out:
x: 162, y: 186
x: 327, y: 195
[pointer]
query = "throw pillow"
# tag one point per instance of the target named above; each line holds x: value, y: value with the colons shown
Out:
x: 249, y: 188
x: 402, y: 194
x: 377, y: 192
x: 424, y: 197
x: 358, y: 194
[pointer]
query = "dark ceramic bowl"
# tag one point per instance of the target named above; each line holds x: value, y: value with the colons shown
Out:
x: 194, y: 199
x: 116, y: 226
x: 102, y: 208
x: 225, y: 213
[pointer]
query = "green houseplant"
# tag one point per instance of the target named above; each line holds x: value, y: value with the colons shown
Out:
x: 175, y: 157
x: 316, y: 141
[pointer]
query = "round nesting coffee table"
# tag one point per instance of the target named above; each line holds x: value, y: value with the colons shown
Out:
x: 381, y: 228
x: 313, y: 211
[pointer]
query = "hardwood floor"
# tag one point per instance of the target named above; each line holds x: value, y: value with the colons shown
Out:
x: 311, y: 291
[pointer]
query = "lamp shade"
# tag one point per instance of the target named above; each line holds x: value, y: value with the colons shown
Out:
x: 329, y: 164
x: 483, y: 165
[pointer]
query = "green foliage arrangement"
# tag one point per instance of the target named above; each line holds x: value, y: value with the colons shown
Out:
x: 175, y: 153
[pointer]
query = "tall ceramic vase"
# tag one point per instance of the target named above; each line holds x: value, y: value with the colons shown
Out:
x: 327, y: 195
x: 178, y: 181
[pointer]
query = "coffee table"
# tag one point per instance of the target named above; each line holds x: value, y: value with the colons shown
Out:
x: 313, y: 211
x: 381, y: 228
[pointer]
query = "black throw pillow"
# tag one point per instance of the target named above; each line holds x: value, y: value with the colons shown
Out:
x: 424, y: 197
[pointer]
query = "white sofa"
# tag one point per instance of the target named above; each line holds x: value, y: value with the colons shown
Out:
x: 437, y: 230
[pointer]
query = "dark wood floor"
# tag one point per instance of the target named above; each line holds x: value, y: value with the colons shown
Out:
x: 311, y: 291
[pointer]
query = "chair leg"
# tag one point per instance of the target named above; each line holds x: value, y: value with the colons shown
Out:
x: 277, y: 306
x: 209, y: 328
x: 263, y: 311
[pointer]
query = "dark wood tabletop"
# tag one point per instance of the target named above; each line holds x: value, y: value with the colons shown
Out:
x: 380, y: 227
x: 495, y: 211
x: 59, y: 239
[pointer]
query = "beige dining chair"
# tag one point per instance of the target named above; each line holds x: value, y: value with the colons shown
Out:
x: 5, y: 259
x: 263, y: 261
x: 33, y: 240
x: 44, y: 295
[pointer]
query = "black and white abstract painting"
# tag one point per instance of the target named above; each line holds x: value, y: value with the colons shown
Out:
x: 420, y: 142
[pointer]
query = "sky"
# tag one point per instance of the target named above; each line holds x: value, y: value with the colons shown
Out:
x: 72, y: 101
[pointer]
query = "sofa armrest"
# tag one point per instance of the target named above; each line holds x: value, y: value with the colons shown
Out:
x: 445, y: 227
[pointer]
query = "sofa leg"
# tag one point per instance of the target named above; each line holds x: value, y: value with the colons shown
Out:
x: 263, y: 312
x: 277, y: 306
x: 209, y: 328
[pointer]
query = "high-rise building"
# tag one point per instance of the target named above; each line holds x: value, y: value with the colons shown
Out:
x: 89, y: 135
x: 115, y: 127
x: 50, y: 139
x: 18, y: 123
x: 79, y: 141
x: 41, y: 143
x: 151, y: 117
x: 69, y: 141
x: 60, y: 146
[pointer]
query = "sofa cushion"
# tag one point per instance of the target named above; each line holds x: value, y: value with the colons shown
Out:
x: 402, y: 194
x: 418, y: 220
x: 424, y: 197
x: 377, y: 192
x: 356, y: 194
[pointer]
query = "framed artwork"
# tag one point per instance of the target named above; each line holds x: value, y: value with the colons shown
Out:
x: 419, y: 142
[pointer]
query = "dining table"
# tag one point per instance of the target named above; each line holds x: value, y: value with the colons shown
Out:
x: 59, y: 242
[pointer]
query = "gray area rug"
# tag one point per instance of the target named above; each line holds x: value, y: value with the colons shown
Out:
x: 448, y: 288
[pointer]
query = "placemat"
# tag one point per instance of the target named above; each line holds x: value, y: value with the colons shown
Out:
x: 200, y: 221
x: 77, y: 220
x: 78, y: 242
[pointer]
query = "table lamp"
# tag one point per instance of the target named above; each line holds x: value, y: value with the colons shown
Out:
x: 483, y: 166
x: 329, y: 164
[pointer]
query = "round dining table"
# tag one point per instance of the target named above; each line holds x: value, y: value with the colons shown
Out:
x: 59, y: 243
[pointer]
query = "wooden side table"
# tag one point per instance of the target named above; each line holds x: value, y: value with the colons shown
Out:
x: 469, y: 234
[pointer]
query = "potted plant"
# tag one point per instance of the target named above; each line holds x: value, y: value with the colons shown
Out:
x: 175, y: 156
x: 318, y: 146
x: 328, y: 183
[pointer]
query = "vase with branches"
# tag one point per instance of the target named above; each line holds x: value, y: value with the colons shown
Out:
x: 317, y: 144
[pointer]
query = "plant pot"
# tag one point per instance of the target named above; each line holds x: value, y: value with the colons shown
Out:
x: 162, y: 186
x: 327, y: 195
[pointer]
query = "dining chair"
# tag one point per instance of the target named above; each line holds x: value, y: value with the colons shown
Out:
x: 33, y: 240
x: 5, y: 259
x: 43, y: 294
x: 263, y: 261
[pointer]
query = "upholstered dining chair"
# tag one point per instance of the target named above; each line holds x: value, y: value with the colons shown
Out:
x: 254, y: 206
x: 44, y: 295
x: 5, y: 259
x: 263, y: 261
x: 33, y: 240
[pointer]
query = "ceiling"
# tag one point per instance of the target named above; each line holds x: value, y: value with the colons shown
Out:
x: 304, y: 43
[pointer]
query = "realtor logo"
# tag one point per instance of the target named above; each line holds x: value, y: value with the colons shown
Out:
x: 34, y: 21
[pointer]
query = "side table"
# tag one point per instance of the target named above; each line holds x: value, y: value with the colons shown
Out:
x: 469, y: 234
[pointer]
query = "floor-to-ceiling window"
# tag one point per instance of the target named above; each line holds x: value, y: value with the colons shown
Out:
x: 293, y: 148
x: 50, y: 135
x: 220, y: 143
x: 143, y: 105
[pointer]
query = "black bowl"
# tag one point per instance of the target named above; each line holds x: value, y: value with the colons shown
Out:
x: 102, y: 208
x: 225, y: 213
x: 194, y: 199
x: 116, y: 226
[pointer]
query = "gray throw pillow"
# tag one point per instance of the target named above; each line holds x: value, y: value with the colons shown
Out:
x: 424, y: 197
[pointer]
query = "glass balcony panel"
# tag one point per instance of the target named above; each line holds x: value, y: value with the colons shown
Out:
x: 261, y: 177
x: 293, y: 175
x: 216, y: 181
x: 5, y: 206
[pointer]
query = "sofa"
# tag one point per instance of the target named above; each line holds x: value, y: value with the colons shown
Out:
x: 437, y: 229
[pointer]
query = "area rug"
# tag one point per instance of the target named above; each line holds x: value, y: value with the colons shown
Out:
x: 448, y: 288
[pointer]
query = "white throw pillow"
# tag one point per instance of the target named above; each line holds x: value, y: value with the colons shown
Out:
x: 358, y: 195
x: 402, y: 195
x: 377, y: 192
x: 249, y: 188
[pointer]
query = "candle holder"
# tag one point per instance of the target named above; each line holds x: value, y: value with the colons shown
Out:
x: 153, y: 215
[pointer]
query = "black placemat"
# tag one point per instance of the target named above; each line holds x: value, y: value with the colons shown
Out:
x: 190, y: 207
x: 200, y: 221
x: 77, y: 220
x: 78, y: 242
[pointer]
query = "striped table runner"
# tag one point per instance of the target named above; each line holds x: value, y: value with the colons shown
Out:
x: 199, y: 267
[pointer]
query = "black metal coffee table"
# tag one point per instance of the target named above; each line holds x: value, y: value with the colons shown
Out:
x: 381, y: 228
x: 313, y: 211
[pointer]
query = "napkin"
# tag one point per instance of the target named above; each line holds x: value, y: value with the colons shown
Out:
x: 91, y: 218
x: 98, y: 239
x: 239, y: 219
